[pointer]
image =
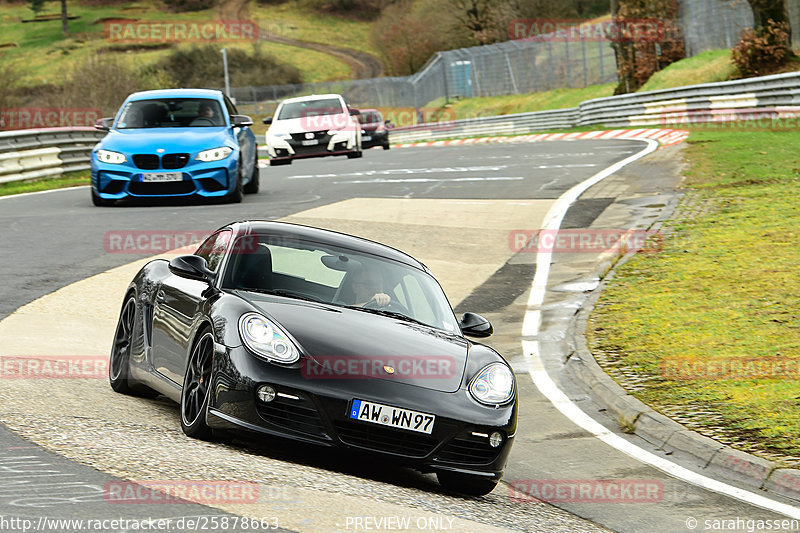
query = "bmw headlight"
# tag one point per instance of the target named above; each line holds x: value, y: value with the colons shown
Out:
x: 493, y: 385
x: 114, y: 158
x: 215, y: 154
x: 266, y: 339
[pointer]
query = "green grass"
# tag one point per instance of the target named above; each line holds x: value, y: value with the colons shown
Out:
x: 723, y: 289
x: 73, y: 179
x: 45, y: 56
x: 706, y: 67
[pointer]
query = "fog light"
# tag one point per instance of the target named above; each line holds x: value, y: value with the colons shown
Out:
x: 265, y: 393
x: 495, y: 439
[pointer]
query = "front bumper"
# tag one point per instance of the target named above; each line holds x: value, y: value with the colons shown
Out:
x: 214, y: 179
x: 374, y: 138
x: 324, y: 144
x: 316, y: 411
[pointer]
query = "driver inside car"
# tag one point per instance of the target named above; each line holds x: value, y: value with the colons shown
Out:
x: 368, y: 288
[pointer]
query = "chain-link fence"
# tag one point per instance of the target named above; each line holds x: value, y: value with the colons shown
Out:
x: 512, y: 67
x: 713, y: 24
x: 519, y: 66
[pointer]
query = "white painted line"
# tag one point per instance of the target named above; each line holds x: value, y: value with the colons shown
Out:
x: 431, y: 180
x: 546, y: 385
x: 20, y: 195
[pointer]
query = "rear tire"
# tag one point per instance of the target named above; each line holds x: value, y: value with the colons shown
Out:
x: 196, y: 388
x: 119, y: 364
x: 466, y: 484
x: 386, y: 146
x: 253, y: 185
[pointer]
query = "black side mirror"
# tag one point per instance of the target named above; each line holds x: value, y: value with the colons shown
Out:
x: 103, y: 124
x: 354, y: 112
x: 475, y: 325
x: 267, y: 120
x: 241, y: 120
x: 191, y: 267
x: 387, y: 121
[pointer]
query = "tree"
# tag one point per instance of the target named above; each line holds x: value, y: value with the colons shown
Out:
x: 764, y: 10
x: 38, y: 5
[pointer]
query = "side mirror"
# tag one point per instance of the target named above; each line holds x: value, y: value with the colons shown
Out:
x: 387, y: 121
x: 191, y: 267
x: 103, y: 124
x: 475, y: 325
x: 241, y: 120
x: 267, y: 120
x: 354, y: 112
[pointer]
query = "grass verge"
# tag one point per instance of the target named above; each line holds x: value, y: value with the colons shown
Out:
x: 72, y: 179
x: 707, y: 330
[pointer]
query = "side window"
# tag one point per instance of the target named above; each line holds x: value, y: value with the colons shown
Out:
x: 229, y: 106
x: 213, y: 248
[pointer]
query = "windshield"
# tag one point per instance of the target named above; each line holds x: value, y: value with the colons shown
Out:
x: 338, y: 276
x: 311, y: 108
x: 370, y: 117
x: 171, y: 113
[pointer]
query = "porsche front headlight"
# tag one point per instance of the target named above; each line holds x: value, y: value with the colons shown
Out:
x: 493, y: 385
x: 215, y: 154
x: 114, y: 158
x: 266, y: 339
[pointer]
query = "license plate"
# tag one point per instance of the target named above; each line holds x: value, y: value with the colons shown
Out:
x: 394, y: 417
x: 162, y: 176
x: 310, y: 142
x: 366, y: 137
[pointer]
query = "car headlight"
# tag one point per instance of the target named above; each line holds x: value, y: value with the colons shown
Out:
x: 114, y: 158
x: 493, y: 385
x: 215, y: 154
x: 280, y: 135
x: 267, y: 339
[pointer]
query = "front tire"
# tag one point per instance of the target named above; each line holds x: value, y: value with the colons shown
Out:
x: 355, y: 155
x: 236, y: 196
x: 119, y: 365
x: 466, y: 484
x: 279, y: 162
x: 196, y: 388
x: 100, y: 202
x: 253, y: 185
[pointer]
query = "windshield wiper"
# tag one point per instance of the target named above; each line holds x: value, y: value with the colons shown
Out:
x: 384, y: 312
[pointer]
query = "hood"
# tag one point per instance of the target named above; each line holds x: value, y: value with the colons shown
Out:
x: 341, y: 343
x: 341, y: 121
x: 171, y: 139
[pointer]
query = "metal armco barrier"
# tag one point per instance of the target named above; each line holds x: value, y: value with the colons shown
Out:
x: 766, y: 98
x: 26, y: 154
x: 29, y: 154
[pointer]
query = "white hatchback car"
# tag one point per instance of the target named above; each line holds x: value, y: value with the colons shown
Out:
x: 312, y: 126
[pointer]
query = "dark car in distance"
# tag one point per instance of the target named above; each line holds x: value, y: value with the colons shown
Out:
x: 329, y: 339
x: 374, y: 129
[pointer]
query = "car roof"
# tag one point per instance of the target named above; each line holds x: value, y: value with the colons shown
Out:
x: 323, y: 236
x: 312, y: 97
x: 177, y: 93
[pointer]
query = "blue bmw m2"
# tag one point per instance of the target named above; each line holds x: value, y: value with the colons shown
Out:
x: 175, y: 143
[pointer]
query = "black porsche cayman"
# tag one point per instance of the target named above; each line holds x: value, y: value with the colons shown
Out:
x: 326, y: 338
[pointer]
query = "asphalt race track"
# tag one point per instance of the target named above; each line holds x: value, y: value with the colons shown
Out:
x: 455, y: 208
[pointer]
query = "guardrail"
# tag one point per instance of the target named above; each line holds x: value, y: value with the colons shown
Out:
x: 29, y: 154
x: 767, y: 97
